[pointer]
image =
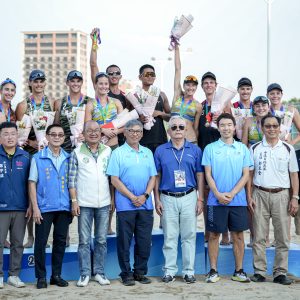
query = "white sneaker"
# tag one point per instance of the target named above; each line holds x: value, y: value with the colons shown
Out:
x: 83, y: 280
x: 101, y: 278
x: 15, y: 281
x: 1, y: 283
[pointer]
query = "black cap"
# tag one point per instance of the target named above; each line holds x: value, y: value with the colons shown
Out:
x: 208, y: 75
x: 262, y: 99
x: 244, y: 81
x: 274, y: 86
x: 74, y: 74
x: 37, y: 74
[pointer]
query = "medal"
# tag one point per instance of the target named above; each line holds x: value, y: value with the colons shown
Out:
x: 208, y: 115
x: 207, y: 124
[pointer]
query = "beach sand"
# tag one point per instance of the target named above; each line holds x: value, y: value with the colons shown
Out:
x: 224, y: 289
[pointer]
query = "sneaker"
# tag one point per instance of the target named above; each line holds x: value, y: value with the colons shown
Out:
x: 141, y: 278
x: 283, y: 279
x: 240, y: 276
x: 128, y: 281
x: 83, y: 280
x: 258, y: 278
x: 189, y: 279
x: 212, y: 276
x: 1, y: 282
x: 15, y: 281
x: 168, y: 278
x: 101, y: 278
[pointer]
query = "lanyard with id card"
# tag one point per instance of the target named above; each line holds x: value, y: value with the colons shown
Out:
x: 179, y: 175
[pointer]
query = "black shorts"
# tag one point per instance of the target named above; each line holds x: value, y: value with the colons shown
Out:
x: 220, y: 219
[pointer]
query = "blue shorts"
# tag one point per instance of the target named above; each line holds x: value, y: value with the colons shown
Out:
x: 220, y: 219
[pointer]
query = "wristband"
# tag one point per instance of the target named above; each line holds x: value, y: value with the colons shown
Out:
x: 73, y: 200
x: 146, y: 195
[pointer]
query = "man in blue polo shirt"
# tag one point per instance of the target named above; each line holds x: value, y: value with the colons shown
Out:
x: 227, y: 165
x: 133, y: 172
x: 180, y: 175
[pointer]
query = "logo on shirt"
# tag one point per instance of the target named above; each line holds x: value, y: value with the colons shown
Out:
x: 19, y: 164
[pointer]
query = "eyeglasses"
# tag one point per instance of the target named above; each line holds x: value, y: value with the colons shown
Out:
x: 175, y: 127
x: 101, y: 74
x: 149, y: 74
x: 91, y: 131
x: 6, y: 81
x: 55, y: 135
x: 74, y: 74
x: 116, y: 73
x: 191, y: 78
x: 269, y: 126
x: 132, y: 131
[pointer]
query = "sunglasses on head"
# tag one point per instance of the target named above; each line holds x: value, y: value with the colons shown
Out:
x: 269, y: 126
x: 116, y: 73
x: 38, y: 75
x: 149, y: 74
x: 6, y: 81
x: 191, y: 78
x: 261, y: 98
x: 101, y: 74
x: 74, y: 74
x: 175, y: 127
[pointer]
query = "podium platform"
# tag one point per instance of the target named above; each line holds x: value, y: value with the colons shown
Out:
x: 70, y: 268
x: 226, y: 260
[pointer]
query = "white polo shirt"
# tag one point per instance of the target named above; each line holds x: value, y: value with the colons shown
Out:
x: 272, y: 165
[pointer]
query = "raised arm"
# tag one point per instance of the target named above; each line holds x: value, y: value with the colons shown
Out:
x: 93, y: 59
x: 57, y: 106
x: 177, y: 76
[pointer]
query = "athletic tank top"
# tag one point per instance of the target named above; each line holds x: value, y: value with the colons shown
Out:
x: 106, y: 114
x: 254, y: 134
x: 187, y: 110
x: 11, y: 116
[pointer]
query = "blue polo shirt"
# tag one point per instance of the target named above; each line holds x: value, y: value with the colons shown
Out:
x: 227, y: 163
x: 134, y: 169
x: 166, y: 164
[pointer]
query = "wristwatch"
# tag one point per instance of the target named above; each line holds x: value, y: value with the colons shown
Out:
x: 73, y: 200
x: 146, y: 195
x: 296, y: 197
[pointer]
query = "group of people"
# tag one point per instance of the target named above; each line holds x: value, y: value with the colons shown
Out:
x: 205, y: 166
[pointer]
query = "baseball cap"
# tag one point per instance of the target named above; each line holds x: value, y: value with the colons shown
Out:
x: 274, y: 86
x: 190, y: 78
x: 74, y: 74
x: 244, y: 81
x: 208, y: 75
x: 6, y: 81
x: 37, y: 74
x: 262, y: 99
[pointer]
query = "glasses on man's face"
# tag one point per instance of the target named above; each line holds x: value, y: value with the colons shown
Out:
x: 149, y: 74
x: 55, y: 135
x: 116, y: 73
x: 91, y: 131
x: 132, y: 131
x: 175, y: 127
x: 269, y: 126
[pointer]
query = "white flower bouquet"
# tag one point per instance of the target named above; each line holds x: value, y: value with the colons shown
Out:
x: 286, y: 122
x: 76, y: 122
x: 122, y: 119
x: 180, y: 28
x: 144, y: 102
x: 24, y: 127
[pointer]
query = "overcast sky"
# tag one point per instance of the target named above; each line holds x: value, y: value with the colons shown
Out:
x: 228, y: 37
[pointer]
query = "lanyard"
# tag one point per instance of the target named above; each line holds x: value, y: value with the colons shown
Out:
x: 178, y: 160
x: 258, y: 130
x: 8, y: 112
x: 183, y: 108
x: 102, y: 110
x: 241, y: 105
x: 79, y: 101
x: 273, y: 112
x: 34, y: 104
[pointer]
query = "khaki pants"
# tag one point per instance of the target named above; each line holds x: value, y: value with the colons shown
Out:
x: 275, y: 206
x: 297, y: 222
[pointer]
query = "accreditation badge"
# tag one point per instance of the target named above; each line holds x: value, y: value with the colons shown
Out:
x: 180, y: 180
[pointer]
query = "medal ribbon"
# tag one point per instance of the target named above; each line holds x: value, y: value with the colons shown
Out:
x: 34, y: 104
x: 102, y: 110
x: 184, y: 108
x: 79, y: 101
x: 8, y: 112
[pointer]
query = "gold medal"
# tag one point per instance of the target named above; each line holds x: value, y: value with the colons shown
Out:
x: 207, y: 124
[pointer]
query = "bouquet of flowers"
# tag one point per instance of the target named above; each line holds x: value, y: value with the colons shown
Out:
x: 286, y: 122
x: 180, y: 28
x: 240, y: 116
x: 221, y: 99
x: 40, y: 120
x: 144, y: 102
x: 122, y: 119
x: 24, y: 127
x: 76, y: 120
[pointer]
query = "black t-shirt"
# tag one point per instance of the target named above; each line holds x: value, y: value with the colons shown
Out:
x: 157, y: 134
x: 209, y: 134
x: 120, y: 97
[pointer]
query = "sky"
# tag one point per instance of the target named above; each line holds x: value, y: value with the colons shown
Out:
x: 228, y: 38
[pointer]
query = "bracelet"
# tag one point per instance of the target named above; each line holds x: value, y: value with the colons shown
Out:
x: 296, y: 197
x: 73, y: 200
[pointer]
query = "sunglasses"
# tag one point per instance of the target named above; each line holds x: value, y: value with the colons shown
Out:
x: 116, y: 73
x: 132, y: 131
x: 261, y: 98
x: 6, y: 81
x: 38, y: 75
x: 74, y: 74
x: 55, y: 135
x: 149, y: 74
x: 175, y: 127
x: 101, y: 74
x: 269, y: 126
x: 191, y: 78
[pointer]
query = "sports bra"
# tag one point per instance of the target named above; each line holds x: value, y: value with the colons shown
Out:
x: 187, y: 110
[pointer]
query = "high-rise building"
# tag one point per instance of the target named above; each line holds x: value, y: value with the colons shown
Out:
x: 56, y: 53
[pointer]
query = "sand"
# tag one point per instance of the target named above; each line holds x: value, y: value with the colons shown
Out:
x: 224, y: 289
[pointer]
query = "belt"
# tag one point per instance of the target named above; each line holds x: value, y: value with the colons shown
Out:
x: 273, y: 191
x: 179, y: 194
